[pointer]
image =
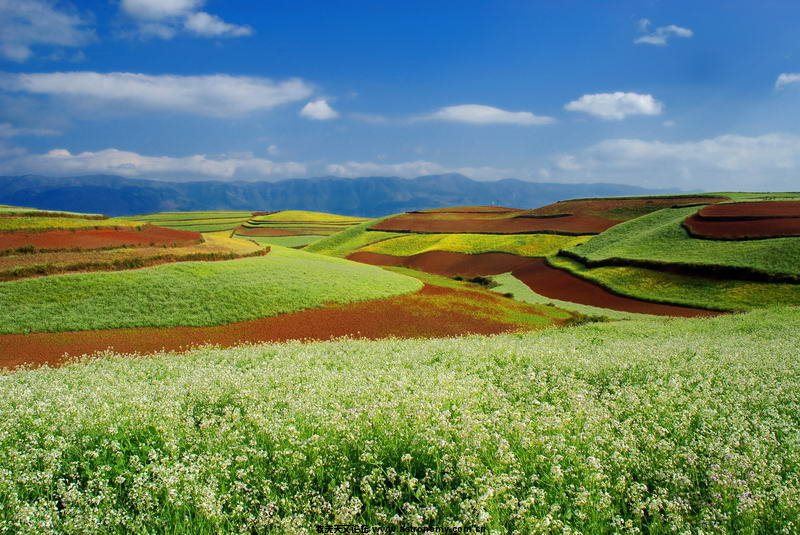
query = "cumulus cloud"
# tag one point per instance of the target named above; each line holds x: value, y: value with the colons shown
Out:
x: 616, y: 106
x: 114, y: 161
x: 481, y: 115
x: 787, y: 78
x: 165, y: 18
x: 725, y: 162
x: 318, y: 110
x: 206, y: 25
x: 28, y: 23
x: 661, y: 35
x: 213, y: 95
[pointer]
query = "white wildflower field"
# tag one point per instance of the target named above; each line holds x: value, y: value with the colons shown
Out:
x: 646, y: 426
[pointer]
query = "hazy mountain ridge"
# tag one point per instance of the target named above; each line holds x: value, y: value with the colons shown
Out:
x: 368, y: 196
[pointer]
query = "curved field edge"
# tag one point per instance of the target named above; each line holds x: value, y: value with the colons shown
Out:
x: 563, y: 427
x: 508, y: 283
x: 346, y: 241
x: 658, y: 239
x: 522, y: 244
x: 193, y: 293
x: 681, y: 289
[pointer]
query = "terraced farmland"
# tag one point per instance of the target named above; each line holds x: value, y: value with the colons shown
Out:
x: 294, y: 228
x: 203, y: 221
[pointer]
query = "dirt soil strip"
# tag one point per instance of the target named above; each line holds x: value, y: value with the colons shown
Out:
x: 447, y: 263
x: 746, y: 229
x: 756, y: 210
x: 97, y: 238
x: 431, y: 312
x: 558, y: 284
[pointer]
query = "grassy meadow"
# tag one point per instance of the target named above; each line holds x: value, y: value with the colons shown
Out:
x: 192, y: 293
x: 519, y: 244
x: 659, y: 237
x: 665, y: 426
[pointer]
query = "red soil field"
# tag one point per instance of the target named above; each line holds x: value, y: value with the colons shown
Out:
x: 751, y: 210
x: 622, y: 209
x: 470, y: 210
x: 98, y: 238
x: 447, y: 263
x: 573, y: 225
x: 742, y: 229
x: 554, y: 283
x: 432, y: 312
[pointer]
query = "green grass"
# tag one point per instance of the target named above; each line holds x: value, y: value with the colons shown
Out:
x: 205, y: 221
x: 306, y: 216
x: 286, y: 241
x: 648, y: 426
x: 347, y: 241
x: 719, y: 294
x: 659, y: 237
x: 192, y: 293
x: 508, y: 283
x: 10, y: 224
x: 521, y: 244
x: 6, y: 209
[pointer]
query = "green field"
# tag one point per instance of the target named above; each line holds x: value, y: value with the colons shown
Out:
x: 521, y: 244
x: 294, y: 216
x: 285, y: 241
x: 659, y: 286
x: 31, y: 222
x: 347, y: 241
x: 202, y: 221
x: 666, y: 426
x: 192, y: 293
x: 659, y: 237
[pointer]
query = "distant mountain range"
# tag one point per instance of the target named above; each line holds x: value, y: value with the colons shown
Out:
x: 368, y: 196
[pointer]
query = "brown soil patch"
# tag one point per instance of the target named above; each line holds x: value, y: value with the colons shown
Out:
x: 572, y: 225
x: 742, y: 229
x: 751, y: 210
x: 470, y: 210
x: 447, y: 263
x: 432, y: 312
x: 98, y: 238
x: 622, y: 209
x: 548, y: 281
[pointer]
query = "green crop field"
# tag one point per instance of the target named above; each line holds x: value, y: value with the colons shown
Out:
x: 653, y: 285
x: 659, y: 237
x: 6, y: 209
x: 31, y: 222
x: 204, y: 221
x: 666, y: 426
x: 306, y: 216
x: 521, y: 244
x: 347, y: 241
x: 192, y: 293
x: 286, y: 241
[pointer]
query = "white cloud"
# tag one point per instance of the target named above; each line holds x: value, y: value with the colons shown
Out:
x: 273, y: 150
x: 206, y: 25
x: 661, y: 35
x: 786, y: 79
x: 7, y: 131
x: 616, y: 106
x: 668, y: 124
x: 421, y: 168
x: 28, y: 23
x: 165, y: 18
x: 318, y: 110
x: 723, y: 163
x: 113, y: 161
x: 214, y: 95
x: 159, y: 9
x: 482, y: 115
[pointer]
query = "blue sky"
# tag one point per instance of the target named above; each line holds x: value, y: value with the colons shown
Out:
x: 694, y: 95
